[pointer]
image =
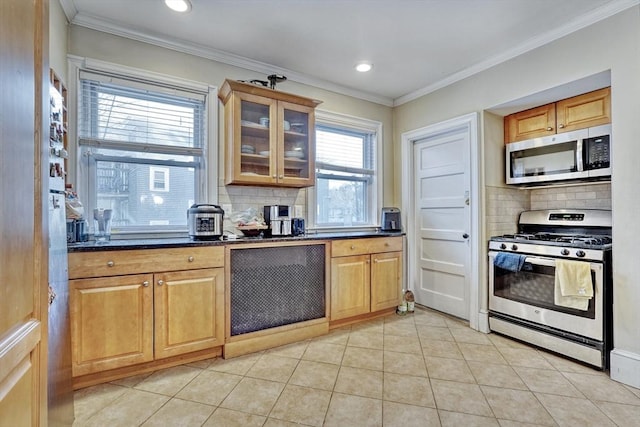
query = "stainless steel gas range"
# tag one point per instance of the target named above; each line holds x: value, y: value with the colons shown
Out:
x: 526, y: 289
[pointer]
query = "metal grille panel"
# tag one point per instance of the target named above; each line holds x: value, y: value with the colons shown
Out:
x: 276, y: 286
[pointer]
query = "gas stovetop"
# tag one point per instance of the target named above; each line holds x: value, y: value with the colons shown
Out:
x: 593, y: 241
x: 578, y: 234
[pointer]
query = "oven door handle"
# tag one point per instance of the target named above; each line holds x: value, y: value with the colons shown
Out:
x: 548, y: 262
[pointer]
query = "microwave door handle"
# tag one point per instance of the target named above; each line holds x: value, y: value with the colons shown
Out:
x: 579, y: 156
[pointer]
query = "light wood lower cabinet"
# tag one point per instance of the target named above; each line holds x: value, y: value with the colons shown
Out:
x: 111, y: 322
x: 368, y: 281
x: 188, y: 311
x: 129, y: 319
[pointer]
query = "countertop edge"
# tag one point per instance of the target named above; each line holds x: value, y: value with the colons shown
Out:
x: 117, y: 245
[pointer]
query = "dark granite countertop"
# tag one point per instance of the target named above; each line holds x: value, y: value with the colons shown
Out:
x: 124, y: 244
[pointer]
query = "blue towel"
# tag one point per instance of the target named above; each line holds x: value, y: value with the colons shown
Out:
x: 508, y: 261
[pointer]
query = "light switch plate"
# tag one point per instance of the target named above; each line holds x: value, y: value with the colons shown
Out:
x: 297, y: 211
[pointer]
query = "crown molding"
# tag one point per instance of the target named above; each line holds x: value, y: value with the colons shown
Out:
x: 195, y: 49
x: 69, y: 9
x: 583, y: 21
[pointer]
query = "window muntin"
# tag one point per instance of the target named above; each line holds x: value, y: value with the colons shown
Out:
x: 142, y: 151
x: 346, y: 192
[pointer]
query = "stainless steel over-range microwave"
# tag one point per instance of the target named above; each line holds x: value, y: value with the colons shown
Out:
x: 583, y: 154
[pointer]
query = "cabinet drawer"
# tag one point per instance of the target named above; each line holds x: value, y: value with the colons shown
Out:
x: 136, y: 261
x: 365, y: 246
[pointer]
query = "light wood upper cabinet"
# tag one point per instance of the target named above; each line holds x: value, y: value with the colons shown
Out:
x: 578, y: 112
x: 532, y: 123
x: 366, y: 275
x: 269, y: 136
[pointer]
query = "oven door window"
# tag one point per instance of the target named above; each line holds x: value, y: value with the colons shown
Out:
x: 534, y: 285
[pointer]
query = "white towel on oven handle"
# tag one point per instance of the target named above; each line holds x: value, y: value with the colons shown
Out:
x: 573, y: 286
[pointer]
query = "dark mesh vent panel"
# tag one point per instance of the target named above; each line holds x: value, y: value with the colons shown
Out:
x: 276, y: 286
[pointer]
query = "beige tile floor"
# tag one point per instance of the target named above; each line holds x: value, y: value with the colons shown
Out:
x: 424, y: 369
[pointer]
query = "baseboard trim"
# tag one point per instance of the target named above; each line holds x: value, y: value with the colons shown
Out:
x: 625, y: 367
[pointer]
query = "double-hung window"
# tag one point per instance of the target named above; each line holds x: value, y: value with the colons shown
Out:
x: 142, y: 151
x: 347, y: 193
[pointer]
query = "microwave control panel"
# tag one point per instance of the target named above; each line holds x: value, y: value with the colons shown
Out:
x: 597, y: 152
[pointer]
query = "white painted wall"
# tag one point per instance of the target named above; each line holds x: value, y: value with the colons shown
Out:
x: 612, y: 44
x: 98, y: 45
x: 58, y: 39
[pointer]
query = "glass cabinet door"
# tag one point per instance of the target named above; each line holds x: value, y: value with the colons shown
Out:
x: 297, y: 148
x: 257, y: 136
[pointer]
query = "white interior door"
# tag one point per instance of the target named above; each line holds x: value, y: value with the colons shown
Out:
x: 442, y: 221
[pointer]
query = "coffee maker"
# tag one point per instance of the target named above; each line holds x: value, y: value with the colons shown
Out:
x: 279, y: 220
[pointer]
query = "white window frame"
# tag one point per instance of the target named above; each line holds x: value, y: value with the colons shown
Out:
x: 209, y: 169
x: 358, y: 124
x: 152, y: 179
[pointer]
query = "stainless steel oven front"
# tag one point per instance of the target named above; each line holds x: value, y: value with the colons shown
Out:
x: 529, y: 295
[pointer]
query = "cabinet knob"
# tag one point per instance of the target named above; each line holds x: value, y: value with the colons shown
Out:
x: 275, y: 176
x: 375, y: 260
x: 145, y: 283
x: 353, y: 247
x: 281, y: 176
x: 560, y: 125
x: 386, y: 243
x: 190, y: 259
x: 160, y: 282
x: 368, y: 262
x: 110, y: 263
x: 549, y: 128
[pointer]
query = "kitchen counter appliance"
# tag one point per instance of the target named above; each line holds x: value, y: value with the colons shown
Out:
x: 205, y: 222
x: 522, y: 300
x: 584, y: 154
x: 279, y: 220
x: 390, y: 219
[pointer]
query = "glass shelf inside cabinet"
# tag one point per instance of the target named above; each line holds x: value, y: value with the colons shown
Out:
x: 254, y: 135
x: 296, y: 144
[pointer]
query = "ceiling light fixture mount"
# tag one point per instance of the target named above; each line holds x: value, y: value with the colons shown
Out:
x: 178, y: 5
x: 363, y: 67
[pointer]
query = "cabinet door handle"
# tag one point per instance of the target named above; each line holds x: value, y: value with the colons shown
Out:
x: 560, y: 126
x: 375, y: 260
x: 110, y: 263
x: 160, y: 282
x: 352, y: 247
x: 145, y: 283
x: 281, y: 176
x: 190, y: 259
x: 549, y: 128
x: 368, y: 262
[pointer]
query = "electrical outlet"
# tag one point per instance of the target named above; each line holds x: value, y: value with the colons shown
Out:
x: 226, y: 209
x: 297, y: 211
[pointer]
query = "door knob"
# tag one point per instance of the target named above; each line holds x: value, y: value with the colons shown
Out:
x: 465, y: 236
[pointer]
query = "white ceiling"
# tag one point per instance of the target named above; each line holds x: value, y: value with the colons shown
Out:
x: 416, y: 46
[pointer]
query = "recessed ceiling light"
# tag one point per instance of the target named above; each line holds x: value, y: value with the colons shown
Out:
x: 178, y: 5
x: 363, y: 67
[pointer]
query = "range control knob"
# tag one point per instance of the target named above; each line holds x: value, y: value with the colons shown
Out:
x: 565, y: 252
x: 514, y: 247
x: 503, y: 246
x: 580, y: 254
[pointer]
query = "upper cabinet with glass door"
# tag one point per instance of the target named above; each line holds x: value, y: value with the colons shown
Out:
x: 269, y: 136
